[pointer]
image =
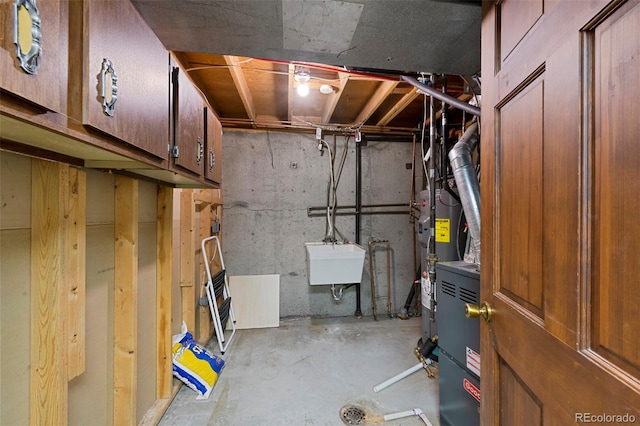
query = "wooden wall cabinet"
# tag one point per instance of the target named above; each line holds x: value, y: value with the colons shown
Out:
x: 58, y: 112
x: 47, y: 87
x: 188, y: 150
x: 115, y: 32
x: 213, y: 157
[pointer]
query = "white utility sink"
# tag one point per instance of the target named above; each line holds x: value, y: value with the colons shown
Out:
x: 329, y: 263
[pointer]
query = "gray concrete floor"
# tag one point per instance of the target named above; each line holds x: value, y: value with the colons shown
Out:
x: 305, y: 371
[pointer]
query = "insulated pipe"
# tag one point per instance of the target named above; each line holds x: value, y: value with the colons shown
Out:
x: 431, y: 91
x: 467, y: 182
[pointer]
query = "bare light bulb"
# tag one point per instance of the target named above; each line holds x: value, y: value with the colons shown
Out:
x: 303, y: 90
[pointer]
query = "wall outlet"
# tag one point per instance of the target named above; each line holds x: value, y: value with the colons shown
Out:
x: 215, y: 227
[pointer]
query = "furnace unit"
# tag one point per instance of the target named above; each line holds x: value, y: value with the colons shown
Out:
x: 458, y: 283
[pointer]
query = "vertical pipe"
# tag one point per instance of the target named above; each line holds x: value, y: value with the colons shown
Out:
x: 374, y: 307
x: 358, y: 312
x: 443, y: 133
x: 432, y: 257
x: 412, y: 221
x: 389, y: 280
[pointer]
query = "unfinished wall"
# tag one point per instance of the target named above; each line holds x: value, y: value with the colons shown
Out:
x: 91, y: 393
x: 270, y: 179
x: 15, y: 295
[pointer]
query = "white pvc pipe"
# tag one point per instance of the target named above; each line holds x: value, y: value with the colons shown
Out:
x: 415, y: 412
x: 399, y: 415
x: 398, y: 377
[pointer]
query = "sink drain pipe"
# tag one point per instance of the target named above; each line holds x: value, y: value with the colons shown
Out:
x: 415, y: 412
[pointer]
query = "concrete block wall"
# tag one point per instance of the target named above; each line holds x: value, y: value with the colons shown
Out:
x: 269, y: 181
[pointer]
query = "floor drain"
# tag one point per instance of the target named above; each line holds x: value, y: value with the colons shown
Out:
x: 352, y: 415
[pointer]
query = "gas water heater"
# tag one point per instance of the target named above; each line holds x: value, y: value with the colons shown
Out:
x: 449, y: 246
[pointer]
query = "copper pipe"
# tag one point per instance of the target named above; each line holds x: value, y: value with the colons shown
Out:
x: 371, y: 274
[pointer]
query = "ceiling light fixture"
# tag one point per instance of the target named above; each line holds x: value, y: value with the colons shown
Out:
x: 303, y: 89
x: 302, y: 77
x: 327, y: 89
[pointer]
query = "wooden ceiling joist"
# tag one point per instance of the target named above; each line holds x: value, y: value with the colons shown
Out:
x: 241, y: 84
x: 384, y: 90
x: 397, y: 108
x: 332, y: 101
x: 292, y: 70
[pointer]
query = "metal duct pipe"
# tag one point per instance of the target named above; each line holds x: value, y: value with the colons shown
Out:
x: 431, y: 91
x: 467, y: 182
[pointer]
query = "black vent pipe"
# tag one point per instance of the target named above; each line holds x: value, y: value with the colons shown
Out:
x: 358, y: 312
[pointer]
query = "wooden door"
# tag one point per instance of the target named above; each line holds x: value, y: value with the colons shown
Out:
x: 188, y: 116
x: 115, y: 34
x: 213, y: 157
x: 560, y: 201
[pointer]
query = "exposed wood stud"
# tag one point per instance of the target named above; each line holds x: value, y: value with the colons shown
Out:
x: 187, y: 254
x: 125, y: 313
x: 204, y: 314
x: 163, y: 291
x: 48, y: 401
x: 75, y: 269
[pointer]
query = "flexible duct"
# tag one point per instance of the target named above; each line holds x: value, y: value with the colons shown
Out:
x: 467, y: 181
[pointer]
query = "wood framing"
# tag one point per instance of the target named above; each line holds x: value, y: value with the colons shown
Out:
x: 397, y: 108
x: 125, y: 301
x: 187, y: 257
x: 74, y: 239
x: 384, y: 90
x: 204, y: 315
x: 163, y: 292
x: 48, y: 401
x: 241, y: 84
x: 333, y: 98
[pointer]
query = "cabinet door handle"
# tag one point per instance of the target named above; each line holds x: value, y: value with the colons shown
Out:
x: 199, y: 151
x: 212, y: 159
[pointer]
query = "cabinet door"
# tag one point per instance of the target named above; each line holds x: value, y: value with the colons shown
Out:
x: 188, y: 115
x: 213, y: 157
x: 47, y: 86
x: 117, y: 37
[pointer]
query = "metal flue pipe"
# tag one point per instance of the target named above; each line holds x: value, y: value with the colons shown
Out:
x: 431, y: 91
x: 467, y: 182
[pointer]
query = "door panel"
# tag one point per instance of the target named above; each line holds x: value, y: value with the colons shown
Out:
x: 520, y: 166
x: 48, y: 86
x: 519, y: 405
x: 520, y: 16
x: 560, y: 239
x: 114, y: 31
x: 189, y: 124
x: 213, y: 159
x: 616, y: 300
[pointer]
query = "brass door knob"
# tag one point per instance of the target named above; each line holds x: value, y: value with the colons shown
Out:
x: 475, y: 311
